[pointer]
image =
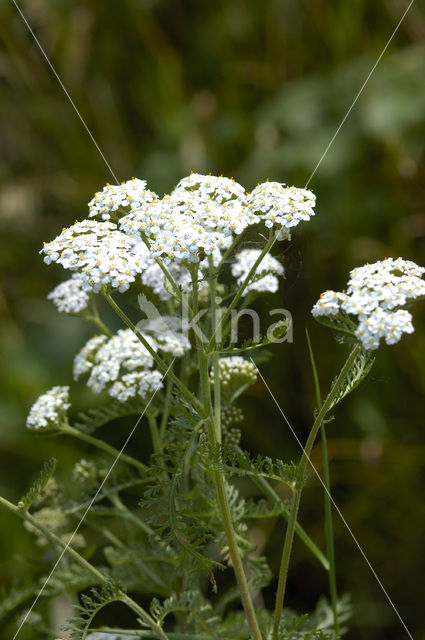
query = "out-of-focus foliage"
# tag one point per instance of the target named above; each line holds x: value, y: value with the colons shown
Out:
x: 254, y: 90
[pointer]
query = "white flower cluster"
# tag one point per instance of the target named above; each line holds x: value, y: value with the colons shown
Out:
x: 132, y: 193
x: 244, y: 262
x: 199, y: 218
x: 70, y: 296
x: 49, y: 410
x: 99, y: 252
x: 235, y: 373
x: 281, y: 206
x: 138, y: 383
x: 374, y: 294
x: 106, y: 359
x: 231, y: 416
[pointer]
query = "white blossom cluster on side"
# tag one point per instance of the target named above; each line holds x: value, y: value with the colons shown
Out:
x: 375, y: 293
x: 235, y: 371
x: 245, y: 260
x: 111, y: 360
x: 132, y: 194
x: 49, y: 410
x: 122, y: 365
x: 280, y: 206
x: 70, y: 296
x: 131, y: 227
x: 99, y: 252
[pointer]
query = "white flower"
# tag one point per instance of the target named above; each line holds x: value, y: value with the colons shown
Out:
x: 49, y: 410
x: 281, y: 206
x: 329, y: 303
x: 131, y: 194
x: 84, y: 359
x: 69, y: 296
x: 244, y: 262
x: 235, y: 374
x: 99, y: 252
x: 121, y: 365
x: 140, y: 383
x: 374, y: 294
x: 121, y: 353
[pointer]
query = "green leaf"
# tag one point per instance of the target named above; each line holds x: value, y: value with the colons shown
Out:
x: 38, y: 486
x: 358, y: 372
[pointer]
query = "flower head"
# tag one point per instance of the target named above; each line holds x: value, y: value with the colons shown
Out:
x: 70, y: 296
x: 374, y: 294
x: 100, y: 253
x: 131, y: 194
x: 280, y: 206
x: 49, y: 410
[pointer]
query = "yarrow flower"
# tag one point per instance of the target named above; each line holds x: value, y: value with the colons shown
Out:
x: 132, y: 194
x: 374, y: 294
x: 198, y: 219
x: 100, y: 253
x: 70, y: 296
x: 236, y: 374
x: 280, y: 206
x: 107, y: 359
x: 244, y: 262
x: 49, y: 410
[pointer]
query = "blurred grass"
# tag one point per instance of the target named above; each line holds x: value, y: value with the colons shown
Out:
x: 253, y: 90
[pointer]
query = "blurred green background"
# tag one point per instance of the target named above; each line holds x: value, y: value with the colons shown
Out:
x: 253, y: 90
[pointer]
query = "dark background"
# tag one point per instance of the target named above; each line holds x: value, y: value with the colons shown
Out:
x: 253, y: 90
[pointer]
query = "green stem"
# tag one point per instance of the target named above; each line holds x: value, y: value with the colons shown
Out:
x: 243, y: 286
x: 268, y: 491
x: 94, y: 317
x: 227, y: 253
x: 159, y: 361
x: 330, y: 547
x: 219, y: 480
x: 104, y: 446
x: 296, y: 497
x: 159, y: 633
x: 166, y: 409
x: 216, y: 372
x: 156, y: 440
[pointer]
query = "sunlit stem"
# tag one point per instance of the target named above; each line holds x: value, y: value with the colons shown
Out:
x: 296, y: 496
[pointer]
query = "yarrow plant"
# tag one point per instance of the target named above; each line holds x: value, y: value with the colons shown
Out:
x: 179, y: 369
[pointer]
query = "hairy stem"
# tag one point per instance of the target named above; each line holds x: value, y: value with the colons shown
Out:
x: 296, y: 497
